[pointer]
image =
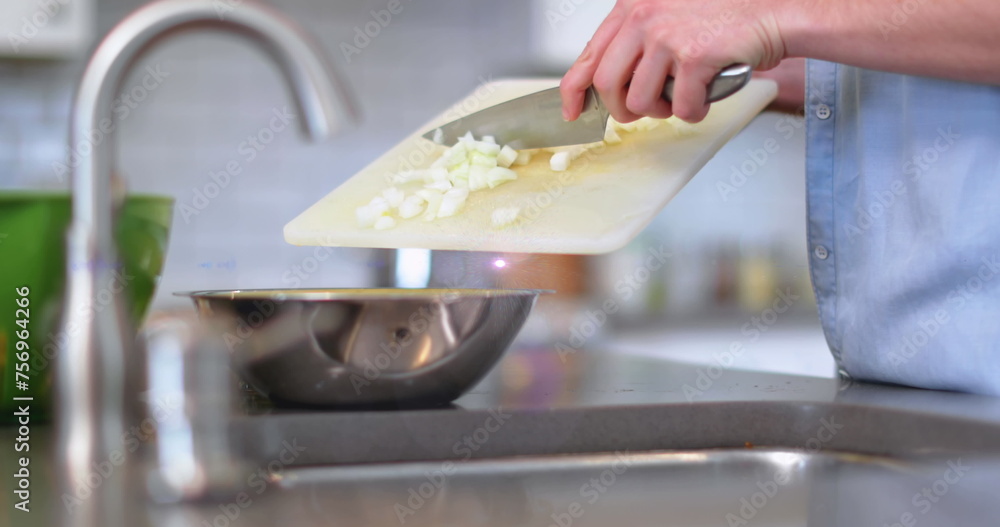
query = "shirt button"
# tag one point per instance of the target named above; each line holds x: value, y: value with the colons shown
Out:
x: 823, y: 112
x: 821, y: 252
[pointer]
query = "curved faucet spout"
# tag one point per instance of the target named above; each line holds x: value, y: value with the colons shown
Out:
x: 319, y: 93
x: 91, y: 369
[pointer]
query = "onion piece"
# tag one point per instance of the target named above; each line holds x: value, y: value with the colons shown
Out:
x: 366, y: 217
x: 393, y: 196
x: 411, y: 207
x: 477, y: 177
x: 480, y: 159
x: 611, y: 136
x: 683, y: 128
x: 499, y: 175
x: 628, y: 127
x: 461, y: 182
x: 505, y: 216
x: 435, y: 175
x: 456, y: 155
x: 523, y: 158
x: 408, y: 176
x: 433, y: 198
x: 560, y: 161
x: 379, y: 206
x: 457, y: 173
x: 489, y: 149
x: 576, y: 151
x: 468, y: 139
x: 442, y: 186
x: 452, y: 202
x: 439, y: 136
x: 648, y: 123
x: 506, y: 157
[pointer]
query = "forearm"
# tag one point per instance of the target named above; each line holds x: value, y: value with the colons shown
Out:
x: 953, y: 39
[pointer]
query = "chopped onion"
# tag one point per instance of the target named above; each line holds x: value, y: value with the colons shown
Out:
x: 477, y: 177
x: 506, y: 157
x: 385, y: 222
x: 393, y: 196
x: 459, y: 174
x: 456, y: 156
x: 560, y: 161
x: 647, y: 123
x: 433, y: 198
x: 467, y: 166
x: 683, y: 128
x: 489, y: 149
x: 499, y: 175
x: 576, y: 151
x: 366, y: 217
x: 611, y: 136
x: 628, y: 127
x: 442, y: 186
x: 452, y: 202
x: 486, y: 160
x: 379, y: 205
x: 435, y: 175
x: 505, y: 216
x: 411, y: 207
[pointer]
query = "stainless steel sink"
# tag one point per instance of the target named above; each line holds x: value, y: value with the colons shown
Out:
x: 770, y: 450
x: 691, y: 488
x: 616, y: 444
x: 299, y: 480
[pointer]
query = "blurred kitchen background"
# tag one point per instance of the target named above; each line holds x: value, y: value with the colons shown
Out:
x: 735, y: 235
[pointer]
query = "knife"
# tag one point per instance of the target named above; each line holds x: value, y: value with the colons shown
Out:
x: 536, y: 121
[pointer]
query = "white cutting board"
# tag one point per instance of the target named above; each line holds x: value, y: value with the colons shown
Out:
x: 603, y: 201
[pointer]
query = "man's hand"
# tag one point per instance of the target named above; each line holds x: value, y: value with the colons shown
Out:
x: 642, y: 42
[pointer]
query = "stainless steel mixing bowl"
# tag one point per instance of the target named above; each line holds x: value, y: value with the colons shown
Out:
x: 350, y: 347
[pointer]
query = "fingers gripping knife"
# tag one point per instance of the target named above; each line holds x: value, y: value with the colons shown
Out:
x: 535, y: 121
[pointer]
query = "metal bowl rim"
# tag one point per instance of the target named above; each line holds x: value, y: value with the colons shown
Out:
x: 357, y: 294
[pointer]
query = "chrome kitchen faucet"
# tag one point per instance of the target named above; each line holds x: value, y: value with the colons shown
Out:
x: 91, y: 374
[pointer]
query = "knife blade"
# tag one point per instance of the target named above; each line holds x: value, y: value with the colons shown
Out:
x: 535, y: 120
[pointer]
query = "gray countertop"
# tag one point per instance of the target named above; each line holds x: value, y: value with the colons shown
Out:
x: 597, y: 401
x: 537, y: 406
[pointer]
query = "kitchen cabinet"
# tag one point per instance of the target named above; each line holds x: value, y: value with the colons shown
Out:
x: 48, y: 29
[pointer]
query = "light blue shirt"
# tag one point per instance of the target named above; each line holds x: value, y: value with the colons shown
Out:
x: 903, y: 185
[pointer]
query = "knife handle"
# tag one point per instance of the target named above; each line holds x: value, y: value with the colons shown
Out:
x: 727, y: 82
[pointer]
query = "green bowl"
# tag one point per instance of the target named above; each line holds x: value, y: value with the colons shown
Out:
x: 33, y: 229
